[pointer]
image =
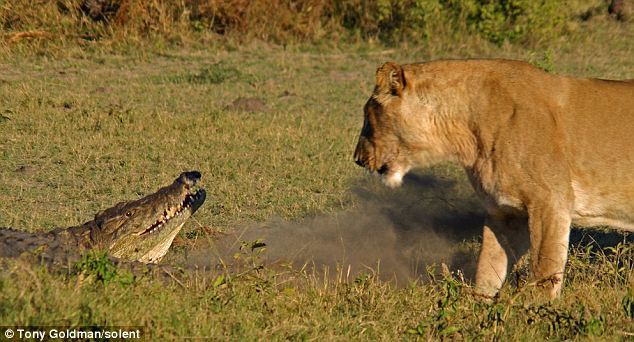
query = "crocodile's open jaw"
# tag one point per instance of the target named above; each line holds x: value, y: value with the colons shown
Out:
x: 174, y: 212
x: 143, y: 230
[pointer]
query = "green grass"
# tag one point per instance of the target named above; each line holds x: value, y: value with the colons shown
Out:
x: 84, y: 130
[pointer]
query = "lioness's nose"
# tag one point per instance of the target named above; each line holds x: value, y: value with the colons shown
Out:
x: 359, y: 162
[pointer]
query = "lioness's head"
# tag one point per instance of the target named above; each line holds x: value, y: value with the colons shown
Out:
x: 379, y: 148
x: 412, y: 120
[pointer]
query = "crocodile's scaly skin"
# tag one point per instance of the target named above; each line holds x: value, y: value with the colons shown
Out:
x: 62, y: 245
x: 140, y: 230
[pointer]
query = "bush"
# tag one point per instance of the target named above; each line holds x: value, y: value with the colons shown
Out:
x: 515, y: 20
x: 282, y: 21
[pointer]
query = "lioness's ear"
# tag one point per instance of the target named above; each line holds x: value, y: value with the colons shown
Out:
x: 390, y: 79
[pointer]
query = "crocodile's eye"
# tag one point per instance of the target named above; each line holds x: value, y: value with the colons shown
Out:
x: 128, y: 213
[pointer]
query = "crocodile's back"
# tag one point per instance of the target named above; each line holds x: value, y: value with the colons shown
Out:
x: 56, y: 245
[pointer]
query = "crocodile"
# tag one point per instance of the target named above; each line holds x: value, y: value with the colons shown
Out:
x: 139, y: 231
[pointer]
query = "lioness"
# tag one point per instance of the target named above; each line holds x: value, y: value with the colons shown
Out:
x: 543, y: 151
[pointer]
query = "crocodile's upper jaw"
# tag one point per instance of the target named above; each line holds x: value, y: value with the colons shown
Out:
x: 143, y: 230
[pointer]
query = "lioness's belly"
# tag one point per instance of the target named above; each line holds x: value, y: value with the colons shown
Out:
x: 603, y: 207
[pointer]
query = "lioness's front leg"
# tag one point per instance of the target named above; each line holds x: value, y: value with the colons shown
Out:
x: 504, y: 241
x: 549, y: 235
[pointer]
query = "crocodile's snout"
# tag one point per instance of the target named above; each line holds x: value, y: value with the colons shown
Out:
x: 190, y: 177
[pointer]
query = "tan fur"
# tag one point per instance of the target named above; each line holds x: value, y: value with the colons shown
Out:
x: 542, y: 150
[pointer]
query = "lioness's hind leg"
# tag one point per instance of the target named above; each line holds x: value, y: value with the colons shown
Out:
x: 504, y: 241
x: 550, y: 233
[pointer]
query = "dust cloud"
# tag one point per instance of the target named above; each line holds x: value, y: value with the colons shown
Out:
x: 395, y: 233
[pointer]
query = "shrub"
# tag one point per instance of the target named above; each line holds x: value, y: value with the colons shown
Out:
x: 281, y: 21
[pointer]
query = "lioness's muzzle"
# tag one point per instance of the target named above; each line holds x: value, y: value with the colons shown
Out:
x: 359, y: 152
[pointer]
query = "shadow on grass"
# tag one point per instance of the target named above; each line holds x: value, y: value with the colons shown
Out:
x: 599, y: 239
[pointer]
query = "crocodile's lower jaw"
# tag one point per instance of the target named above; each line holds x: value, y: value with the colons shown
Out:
x: 157, y: 253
